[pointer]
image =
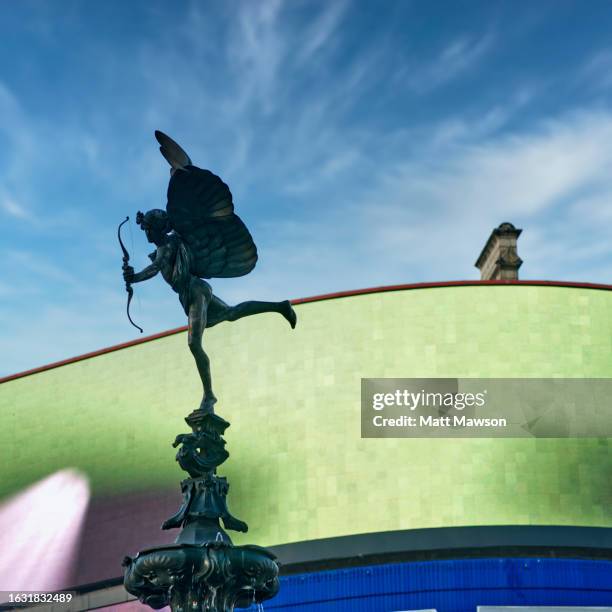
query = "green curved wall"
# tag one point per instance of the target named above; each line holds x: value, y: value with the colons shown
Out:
x: 298, y: 467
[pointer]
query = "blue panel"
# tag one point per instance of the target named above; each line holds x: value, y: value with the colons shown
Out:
x: 449, y: 586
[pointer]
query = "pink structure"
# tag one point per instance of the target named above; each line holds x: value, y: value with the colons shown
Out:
x: 40, y: 529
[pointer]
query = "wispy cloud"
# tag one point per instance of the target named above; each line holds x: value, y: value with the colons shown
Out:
x: 362, y: 148
x: 426, y: 218
x: 321, y: 31
x: 13, y: 208
x: 38, y: 268
x: 597, y: 70
x: 450, y: 62
x: 256, y: 52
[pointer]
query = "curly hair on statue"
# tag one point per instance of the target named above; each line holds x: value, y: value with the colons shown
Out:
x: 155, y: 219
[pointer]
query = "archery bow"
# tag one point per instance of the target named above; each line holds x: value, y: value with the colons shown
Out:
x: 128, y: 285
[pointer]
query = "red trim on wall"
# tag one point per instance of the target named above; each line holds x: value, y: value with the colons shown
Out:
x: 465, y: 283
x: 109, y: 349
x: 320, y: 298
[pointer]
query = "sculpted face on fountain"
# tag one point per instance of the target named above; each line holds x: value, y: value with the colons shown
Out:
x: 215, y: 576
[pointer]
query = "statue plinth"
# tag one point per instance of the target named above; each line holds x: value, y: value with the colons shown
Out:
x: 203, y: 570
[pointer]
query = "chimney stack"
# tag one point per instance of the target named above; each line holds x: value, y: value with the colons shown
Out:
x: 499, y: 259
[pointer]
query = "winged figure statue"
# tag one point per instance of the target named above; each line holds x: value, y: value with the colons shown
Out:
x: 199, y: 236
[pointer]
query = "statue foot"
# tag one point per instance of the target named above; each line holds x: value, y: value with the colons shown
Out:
x: 207, y: 405
x: 288, y: 312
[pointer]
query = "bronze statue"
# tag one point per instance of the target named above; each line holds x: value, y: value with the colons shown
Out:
x: 198, y: 237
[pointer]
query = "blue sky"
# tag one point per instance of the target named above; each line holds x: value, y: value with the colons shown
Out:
x: 365, y: 143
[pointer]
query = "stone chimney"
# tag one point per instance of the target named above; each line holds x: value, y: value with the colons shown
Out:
x: 499, y: 259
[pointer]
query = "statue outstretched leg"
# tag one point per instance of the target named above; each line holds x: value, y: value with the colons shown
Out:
x: 219, y: 311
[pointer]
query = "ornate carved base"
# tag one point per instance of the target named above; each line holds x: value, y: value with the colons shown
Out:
x: 214, y: 577
x: 203, y: 570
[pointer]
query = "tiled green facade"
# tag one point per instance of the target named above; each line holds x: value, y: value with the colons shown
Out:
x: 298, y: 467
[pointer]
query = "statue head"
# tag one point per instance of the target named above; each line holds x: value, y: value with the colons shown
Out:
x: 155, y: 224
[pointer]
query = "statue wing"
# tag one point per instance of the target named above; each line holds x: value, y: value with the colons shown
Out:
x: 201, y: 210
x: 172, y: 151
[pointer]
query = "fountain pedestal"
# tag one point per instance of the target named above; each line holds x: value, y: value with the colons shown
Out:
x: 203, y: 570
